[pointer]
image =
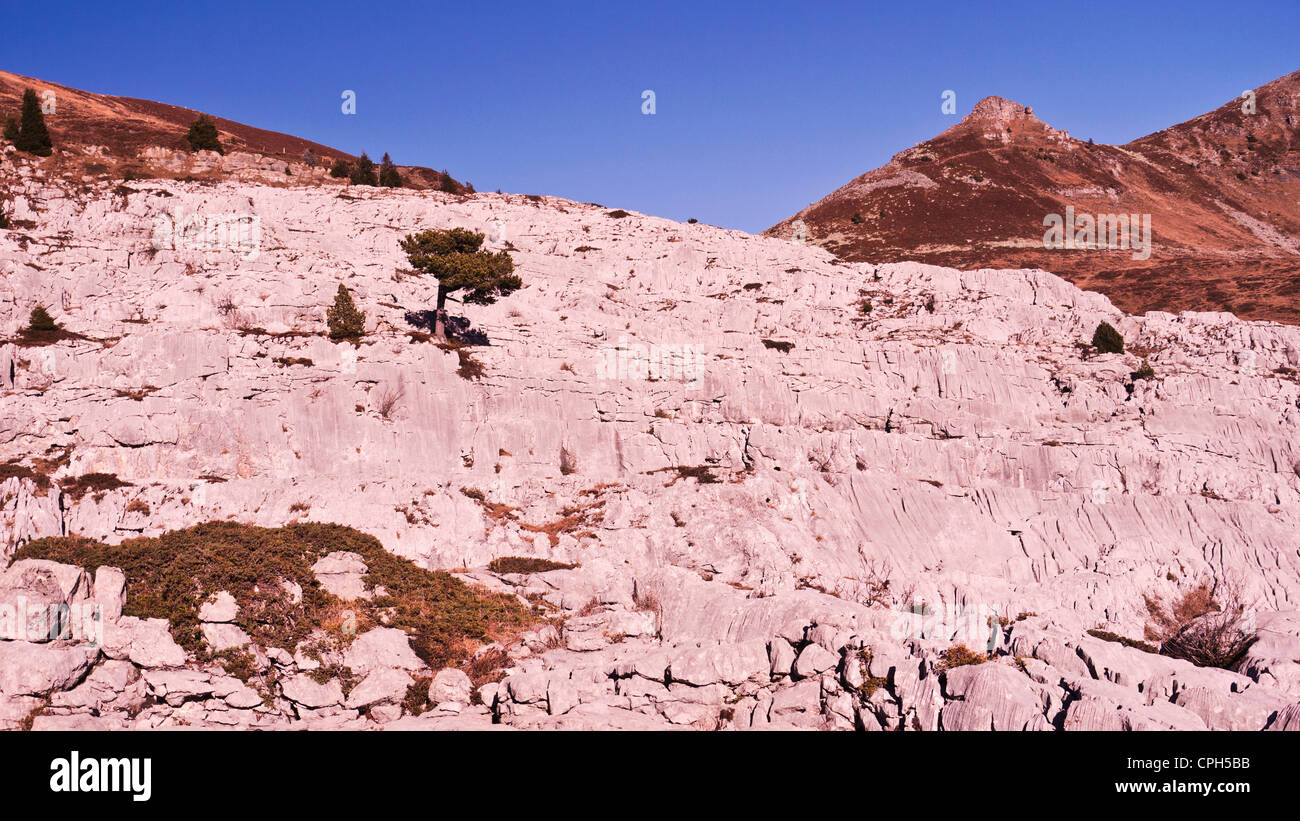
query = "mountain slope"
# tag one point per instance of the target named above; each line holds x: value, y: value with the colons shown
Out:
x: 130, y: 131
x: 1222, y: 191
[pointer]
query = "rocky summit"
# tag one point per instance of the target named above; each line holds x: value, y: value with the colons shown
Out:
x: 700, y: 478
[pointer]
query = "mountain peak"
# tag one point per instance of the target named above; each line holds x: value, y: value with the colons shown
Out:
x: 1001, y: 110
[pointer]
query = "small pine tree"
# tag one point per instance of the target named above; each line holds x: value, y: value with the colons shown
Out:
x: 342, y: 169
x: 203, y: 136
x: 33, y: 136
x: 388, y: 176
x: 11, y: 130
x: 40, y: 320
x: 345, y: 321
x: 1107, y: 340
x: 363, y: 173
x: 448, y: 185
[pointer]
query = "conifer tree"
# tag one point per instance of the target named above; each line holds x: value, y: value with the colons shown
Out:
x: 388, y: 176
x: 345, y: 321
x: 33, y: 136
x: 203, y: 136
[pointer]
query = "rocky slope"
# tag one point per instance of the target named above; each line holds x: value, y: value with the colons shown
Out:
x: 832, y: 475
x: 1222, y: 191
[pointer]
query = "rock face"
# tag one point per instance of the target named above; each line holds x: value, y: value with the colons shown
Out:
x: 780, y: 486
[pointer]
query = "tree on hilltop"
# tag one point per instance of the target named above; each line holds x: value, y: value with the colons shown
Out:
x: 33, y: 137
x: 363, y: 173
x: 388, y: 176
x: 203, y: 136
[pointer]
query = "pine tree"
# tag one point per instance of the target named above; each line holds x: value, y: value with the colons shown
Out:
x: 457, y: 260
x: 388, y: 176
x: 33, y: 136
x: 40, y: 320
x: 203, y: 136
x: 1107, y: 340
x: 11, y: 130
x: 363, y: 173
x: 342, y: 169
x: 345, y: 321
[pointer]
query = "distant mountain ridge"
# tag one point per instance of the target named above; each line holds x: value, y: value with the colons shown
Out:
x: 1222, y: 191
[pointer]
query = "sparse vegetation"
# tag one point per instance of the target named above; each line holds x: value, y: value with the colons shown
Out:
x: 170, y: 576
x: 76, y: 488
x: 526, y: 564
x: 1200, y: 629
x: 777, y: 345
x: 1145, y: 371
x: 959, y: 655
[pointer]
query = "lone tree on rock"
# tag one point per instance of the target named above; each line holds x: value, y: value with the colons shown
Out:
x: 203, y: 136
x: 388, y: 176
x: 345, y: 321
x: 40, y: 320
x: 1107, y: 340
x: 459, y: 262
x: 363, y: 173
x: 33, y: 136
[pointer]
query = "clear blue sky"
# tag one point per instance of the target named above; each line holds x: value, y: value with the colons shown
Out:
x: 761, y: 108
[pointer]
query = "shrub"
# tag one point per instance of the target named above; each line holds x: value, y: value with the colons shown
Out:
x: 33, y: 137
x: 777, y: 345
x: 447, y: 185
x: 455, y: 257
x: 40, y: 320
x: 11, y: 130
x: 345, y: 321
x: 75, y: 488
x: 341, y: 170
x: 1107, y: 340
x: 525, y: 564
x: 363, y: 173
x: 857, y: 219
x: 1197, y: 628
x: 388, y: 176
x: 1144, y: 372
x: 170, y: 576
x: 959, y: 655
x: 203, y: 136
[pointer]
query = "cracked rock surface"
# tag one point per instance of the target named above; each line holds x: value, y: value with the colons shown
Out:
x: 760, y: 461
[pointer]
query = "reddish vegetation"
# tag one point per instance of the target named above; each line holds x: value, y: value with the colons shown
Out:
x: 1222, y: 189
x: 125, y: 126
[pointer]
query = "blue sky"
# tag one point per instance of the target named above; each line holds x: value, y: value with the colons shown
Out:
x: 760, y: 108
